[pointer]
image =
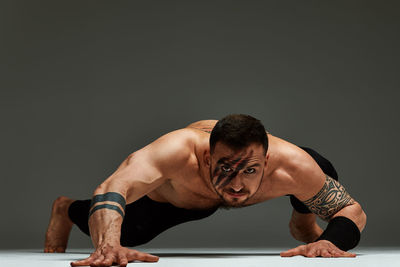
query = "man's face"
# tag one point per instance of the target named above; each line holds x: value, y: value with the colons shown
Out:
x: 237, y: 174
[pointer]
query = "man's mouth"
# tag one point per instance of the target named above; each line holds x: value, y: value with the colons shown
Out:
x: 235, y: 194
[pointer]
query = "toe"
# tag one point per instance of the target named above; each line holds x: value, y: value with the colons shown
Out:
x: 60, y: 249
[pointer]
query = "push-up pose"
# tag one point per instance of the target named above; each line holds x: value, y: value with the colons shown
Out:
x: 189, y: 173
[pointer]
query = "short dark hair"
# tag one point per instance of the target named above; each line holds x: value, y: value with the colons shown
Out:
x: 238, y: 131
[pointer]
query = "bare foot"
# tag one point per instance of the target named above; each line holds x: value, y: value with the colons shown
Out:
x: 59, y: 227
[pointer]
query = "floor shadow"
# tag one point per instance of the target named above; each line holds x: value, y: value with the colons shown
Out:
x: 203, y: 255
x: 57, y: 253
x: 172, y: 254
x: 211, y: 255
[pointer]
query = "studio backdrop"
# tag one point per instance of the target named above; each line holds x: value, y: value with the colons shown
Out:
x: 86, y: 83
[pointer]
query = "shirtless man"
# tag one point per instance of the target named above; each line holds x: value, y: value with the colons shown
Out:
x: 189, y: 173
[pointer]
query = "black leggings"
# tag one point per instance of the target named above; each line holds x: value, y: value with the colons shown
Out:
x: 144, y: 219
x: 326, y: 167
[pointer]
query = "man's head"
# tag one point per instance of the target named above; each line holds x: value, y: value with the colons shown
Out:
x: 238, y: 156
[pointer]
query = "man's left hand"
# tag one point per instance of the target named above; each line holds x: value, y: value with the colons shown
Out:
x: 321, y: 248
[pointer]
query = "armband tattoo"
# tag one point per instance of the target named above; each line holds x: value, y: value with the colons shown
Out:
x: 329, y: 200
x: 111, y: 197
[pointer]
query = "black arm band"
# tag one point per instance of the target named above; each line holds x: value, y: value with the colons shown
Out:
x: 342, y: 232
x: 110, y: 196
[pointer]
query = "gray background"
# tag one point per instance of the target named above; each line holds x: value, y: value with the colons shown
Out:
x: 85, y: 83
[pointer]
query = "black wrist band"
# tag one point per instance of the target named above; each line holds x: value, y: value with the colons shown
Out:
x: 110, y: 196
x: 106, y: 206
x: 342, y: 232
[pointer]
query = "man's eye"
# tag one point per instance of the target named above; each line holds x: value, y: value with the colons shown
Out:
x: 250, y: 170
x: 226, y: 169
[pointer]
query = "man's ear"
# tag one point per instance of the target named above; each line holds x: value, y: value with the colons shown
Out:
x: 207, y: 157
x: 266, y: 160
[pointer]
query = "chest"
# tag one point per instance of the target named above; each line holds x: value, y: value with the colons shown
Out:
x: 187, y: 189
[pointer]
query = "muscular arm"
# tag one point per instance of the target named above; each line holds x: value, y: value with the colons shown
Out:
x: 139, y: 174
x: 331, y: 201
x: 328, y: 199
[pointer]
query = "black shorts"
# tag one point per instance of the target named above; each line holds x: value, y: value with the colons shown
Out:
x: 144, y: 219
x: 326, y: 167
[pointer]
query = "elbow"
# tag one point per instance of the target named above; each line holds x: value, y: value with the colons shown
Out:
x: 110, y: 187
x: 355, y: 213
x: 101, y: 189
x: 360, y: 216
x: 363, y: 219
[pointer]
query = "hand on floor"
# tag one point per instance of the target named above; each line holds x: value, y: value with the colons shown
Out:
x: 109, y: 255
x: 321, y: 248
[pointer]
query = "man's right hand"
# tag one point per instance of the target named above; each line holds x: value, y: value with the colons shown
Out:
x: 109, y: 255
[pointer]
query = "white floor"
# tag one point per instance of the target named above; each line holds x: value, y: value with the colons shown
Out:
x: 382, y: 257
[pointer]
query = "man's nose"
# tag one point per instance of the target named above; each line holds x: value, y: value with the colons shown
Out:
x: 236, y: 184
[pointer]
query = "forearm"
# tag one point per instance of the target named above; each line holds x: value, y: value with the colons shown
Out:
x: 106, y: 215
x: 303, y: 227
x: 105, y: 227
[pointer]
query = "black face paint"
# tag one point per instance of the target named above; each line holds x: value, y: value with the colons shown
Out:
x: 237, y: 169
x: 225, y: 160
x: 218, y: 169
x: 221, y: 177
x: 241, y: 163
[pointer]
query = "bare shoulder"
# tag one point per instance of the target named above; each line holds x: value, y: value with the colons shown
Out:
x: 178, y: 144
x: 308, y: 177
x: 166, y: 154
x: 203, y: 123
x: 289, y: 156
x: 302, y: 173
x: 180, y: 137
x: 297, y: 160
